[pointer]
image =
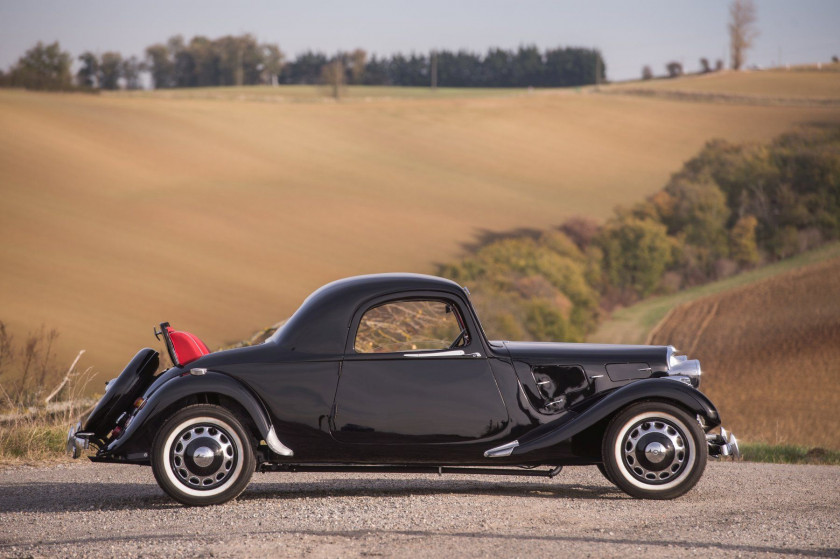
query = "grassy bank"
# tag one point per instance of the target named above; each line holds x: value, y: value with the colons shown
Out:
x: 788, y: 454
x: 32, y: 441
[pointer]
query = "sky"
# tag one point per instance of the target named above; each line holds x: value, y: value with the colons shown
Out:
x: 629, y: 33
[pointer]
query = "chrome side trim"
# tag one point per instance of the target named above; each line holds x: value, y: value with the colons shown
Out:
x: 501, y: 451
x: 451, y: 353
x: 275, y: 445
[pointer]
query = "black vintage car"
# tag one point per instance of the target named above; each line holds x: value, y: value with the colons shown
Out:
x: 393, y: 373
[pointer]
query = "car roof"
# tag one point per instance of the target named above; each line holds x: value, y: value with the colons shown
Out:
x: 319, y: 326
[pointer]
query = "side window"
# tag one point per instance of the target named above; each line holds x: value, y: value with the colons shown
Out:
x: 409, y: 326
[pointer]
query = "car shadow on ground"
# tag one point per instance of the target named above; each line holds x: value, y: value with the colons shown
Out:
x: 75, y: 497
x: 385, y: 487
x: 105, y: 496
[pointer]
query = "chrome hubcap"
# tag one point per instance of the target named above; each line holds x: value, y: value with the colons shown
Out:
x: 654, y: 451
x: 203, y: 456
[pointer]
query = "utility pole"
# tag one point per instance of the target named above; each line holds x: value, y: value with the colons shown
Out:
x: 433, y: 69
x: 597, y: 69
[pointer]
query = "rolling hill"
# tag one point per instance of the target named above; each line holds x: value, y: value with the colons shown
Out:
x: 221, y: 213
x: 770, y: 354
x: 635, y: 324
x: 801, y: 83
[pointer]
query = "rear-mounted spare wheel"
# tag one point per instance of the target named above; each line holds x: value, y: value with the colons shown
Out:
x: 121, y: 393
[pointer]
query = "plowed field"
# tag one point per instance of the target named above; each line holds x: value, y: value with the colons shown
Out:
x: 770, y: 353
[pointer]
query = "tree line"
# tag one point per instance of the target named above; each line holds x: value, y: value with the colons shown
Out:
x: 242, y: 60
x: 526, y: 66
x: 730, y: 208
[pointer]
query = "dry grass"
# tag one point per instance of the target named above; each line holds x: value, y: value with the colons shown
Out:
x: 38, y: 400
x: 770, y: 354
x: 33, y: 442
x: 40, y: 433
x: 119, y: 212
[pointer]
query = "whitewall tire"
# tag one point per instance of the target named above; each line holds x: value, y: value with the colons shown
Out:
x: 654, y: 450
x: 203, y: 456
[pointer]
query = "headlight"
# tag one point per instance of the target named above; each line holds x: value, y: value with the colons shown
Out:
x: 673, y: 358
x: 681, y: 365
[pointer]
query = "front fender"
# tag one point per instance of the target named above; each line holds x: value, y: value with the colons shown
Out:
x: 186, y: 385
x: 656, y: 388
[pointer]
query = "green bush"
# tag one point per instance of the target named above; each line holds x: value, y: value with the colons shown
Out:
x: 636, y: 253
x: 515, y: 282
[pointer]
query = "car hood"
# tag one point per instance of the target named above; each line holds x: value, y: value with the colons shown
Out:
x: 583, y: 354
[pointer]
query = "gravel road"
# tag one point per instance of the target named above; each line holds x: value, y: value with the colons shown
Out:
x: 738, y: 509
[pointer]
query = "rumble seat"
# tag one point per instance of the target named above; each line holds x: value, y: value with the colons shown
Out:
x: 187, y: 346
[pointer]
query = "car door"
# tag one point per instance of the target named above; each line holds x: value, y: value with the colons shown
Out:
x: 416, y: 373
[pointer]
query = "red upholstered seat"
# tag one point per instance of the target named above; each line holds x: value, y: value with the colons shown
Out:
x: 187, y: 346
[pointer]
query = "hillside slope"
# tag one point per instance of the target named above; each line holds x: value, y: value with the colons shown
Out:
x: 222, y: 215
x: 634, y: 324
x: 770, y: 353
x: 800, y: 84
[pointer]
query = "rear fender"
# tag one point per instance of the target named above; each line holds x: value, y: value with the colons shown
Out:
x: 649, y: 389
x: 186, y: 385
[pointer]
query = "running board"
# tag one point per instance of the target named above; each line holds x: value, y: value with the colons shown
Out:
x: 440, y: 470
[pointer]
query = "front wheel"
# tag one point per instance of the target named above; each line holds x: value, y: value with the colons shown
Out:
x: 203, y: 456
x: 654, y: 450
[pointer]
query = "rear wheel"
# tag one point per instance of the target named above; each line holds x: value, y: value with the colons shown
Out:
x: 654, y: 450
x: 203, y: 456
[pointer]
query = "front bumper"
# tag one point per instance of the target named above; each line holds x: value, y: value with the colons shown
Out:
x: 723, y: 444
x: 77, y: 442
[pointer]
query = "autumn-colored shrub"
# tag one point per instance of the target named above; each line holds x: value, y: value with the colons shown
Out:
x: 729, y: 208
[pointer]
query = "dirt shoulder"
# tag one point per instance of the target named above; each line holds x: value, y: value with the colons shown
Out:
x: 738, y: 509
